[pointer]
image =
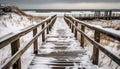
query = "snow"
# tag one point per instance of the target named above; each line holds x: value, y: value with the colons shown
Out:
x: 107, y: 29
x: 61, y: 29
x: 104, y: 61
x: 44, y: 13
x: 13, y: 23
x: 43, y: 60
x: 80, y: 13
x: 113, y: 30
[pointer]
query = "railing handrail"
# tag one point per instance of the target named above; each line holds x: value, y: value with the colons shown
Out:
x: 101, y: 30
x: 95, y: 43
x: 14, y: 36
x: 16, y: 56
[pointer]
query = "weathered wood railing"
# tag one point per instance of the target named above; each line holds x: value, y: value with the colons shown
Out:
x: 73, y: 23
x: 14, y: 40
x: 92, y: 16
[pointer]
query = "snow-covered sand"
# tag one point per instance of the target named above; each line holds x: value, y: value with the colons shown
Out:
x: 110, y: 44
x: 13, y: 22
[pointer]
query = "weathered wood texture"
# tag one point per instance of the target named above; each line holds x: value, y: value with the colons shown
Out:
x: 43, y: 34
x: 14, y: 36
x: 14, y: 40
x: 63, y: 53
x: 107, y: 15
x: 95, y: 42
x: 95, y: 49
x: 35, y: 44
x: 82, y: 37
x: 14, y: 48
x: 76, y: 24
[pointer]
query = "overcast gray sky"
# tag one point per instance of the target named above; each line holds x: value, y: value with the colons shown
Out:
x: 65, y: 4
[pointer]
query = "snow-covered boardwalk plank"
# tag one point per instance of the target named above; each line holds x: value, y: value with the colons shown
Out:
x: 61, y: 51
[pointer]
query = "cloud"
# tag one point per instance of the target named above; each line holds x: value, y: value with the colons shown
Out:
x: 63, y: 3
x: 73, y: 6
x: 56, y: 1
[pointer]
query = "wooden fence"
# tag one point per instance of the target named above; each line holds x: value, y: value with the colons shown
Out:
x: 73, y: 23
x: 14, y: 40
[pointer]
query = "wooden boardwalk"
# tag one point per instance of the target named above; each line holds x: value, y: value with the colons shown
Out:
x: 61, y: 51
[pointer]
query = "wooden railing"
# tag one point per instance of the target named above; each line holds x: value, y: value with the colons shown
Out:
x: 14, y: 40
x: 92, y: 16
x: 98, y: 15
x: 73, y: 23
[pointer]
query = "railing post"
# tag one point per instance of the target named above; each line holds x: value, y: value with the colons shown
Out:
x: 76, y: 24
x: 35, y: 44
x: 43, y: 34
x: 96, y: 50
x: 72, y: 28
x: 14, y: 48
x: 82, y: 37
x: 69, y: 24
x: 110, y: 14
x: 48, y: 27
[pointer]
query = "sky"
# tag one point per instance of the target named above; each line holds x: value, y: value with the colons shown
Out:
x: 64, y: 4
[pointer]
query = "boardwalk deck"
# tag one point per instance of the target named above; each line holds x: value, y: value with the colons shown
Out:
x: 61, y: 51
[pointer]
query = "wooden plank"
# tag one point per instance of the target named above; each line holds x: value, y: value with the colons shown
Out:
x: 62, y: 52
x: 14, y: 48
x: 35, y: 44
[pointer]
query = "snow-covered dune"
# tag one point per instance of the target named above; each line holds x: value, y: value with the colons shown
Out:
x: 11, y: 23
x: 110, y: 44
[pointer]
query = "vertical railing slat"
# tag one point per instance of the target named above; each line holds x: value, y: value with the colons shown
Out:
x: 82, y: 37
x: 43, y: 34
x: 72, y: 27
x: 76, y: 24
x: 96, y: 50
x: 48, y: 27
x: 14, y: 48
x: 35, y: 44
